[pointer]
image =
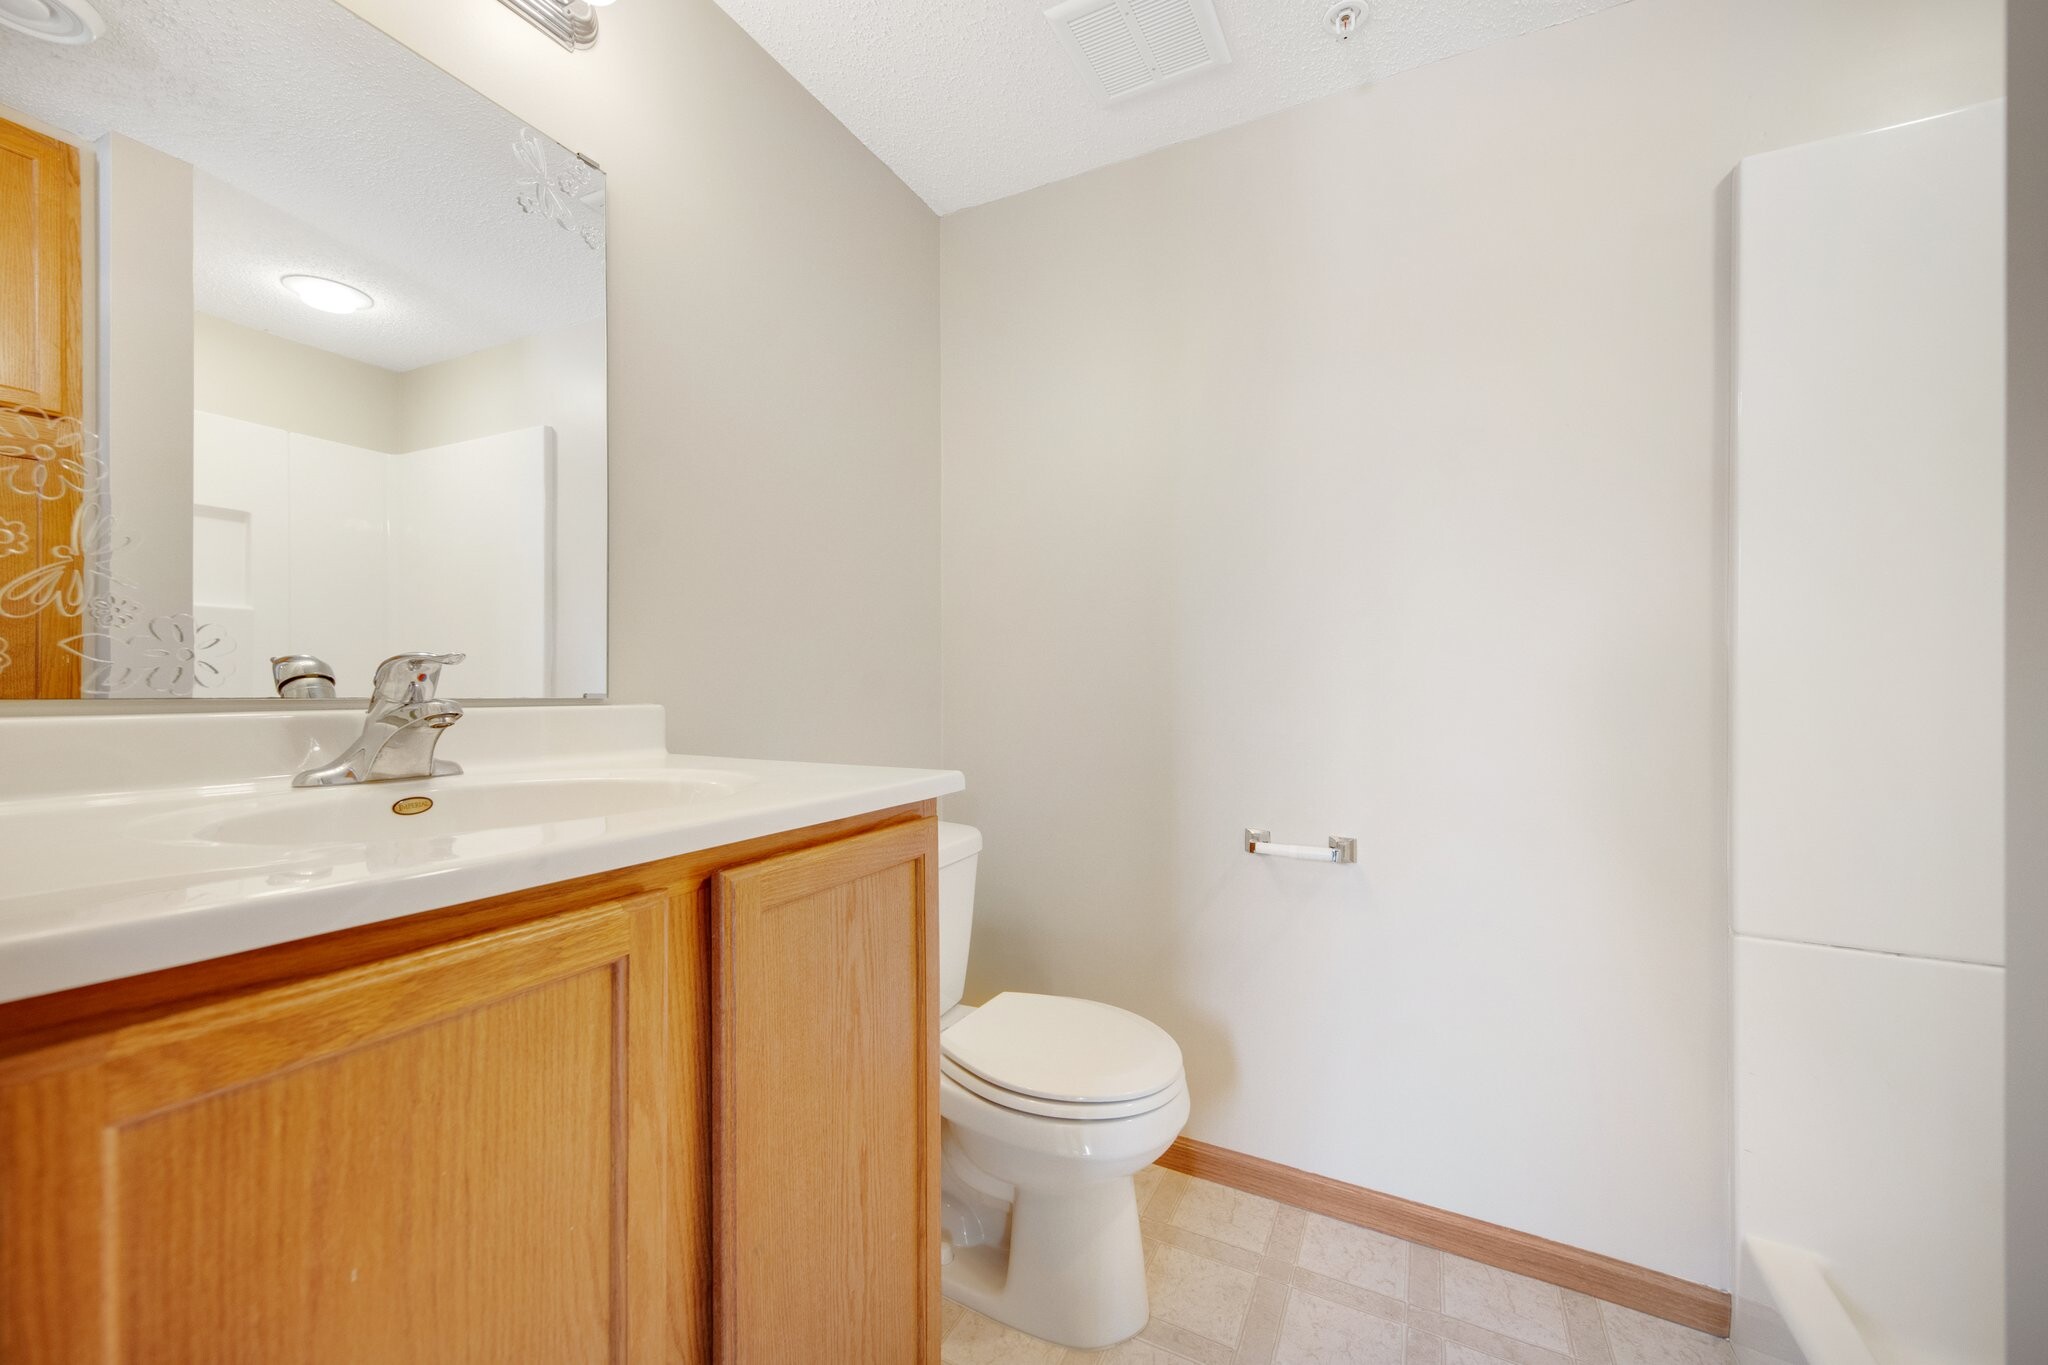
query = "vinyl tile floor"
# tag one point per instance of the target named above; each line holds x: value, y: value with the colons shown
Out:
x: 1239, y: 1280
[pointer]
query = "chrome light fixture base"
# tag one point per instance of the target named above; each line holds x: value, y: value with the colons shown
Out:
x: 572, y: 23
x: 69, y: 22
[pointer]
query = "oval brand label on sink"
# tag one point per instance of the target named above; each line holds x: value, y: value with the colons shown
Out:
x: 412, y: 805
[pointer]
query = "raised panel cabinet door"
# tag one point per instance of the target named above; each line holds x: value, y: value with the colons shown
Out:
x: 825, y: 1121
x: 39, y: 250
x: 453, y: 1156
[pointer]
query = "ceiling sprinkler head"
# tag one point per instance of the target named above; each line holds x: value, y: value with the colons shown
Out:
x: 1344, y: 18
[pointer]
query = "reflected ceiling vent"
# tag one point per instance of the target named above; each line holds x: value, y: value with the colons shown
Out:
x: 1126, y: 47
x: 56, y: 21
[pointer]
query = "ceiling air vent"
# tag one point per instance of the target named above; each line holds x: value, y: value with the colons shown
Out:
x: 1126, y: 47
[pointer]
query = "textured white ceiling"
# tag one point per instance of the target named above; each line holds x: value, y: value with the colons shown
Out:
x: 972, y: 100
x: 326, y: 148
x: 241, y: 246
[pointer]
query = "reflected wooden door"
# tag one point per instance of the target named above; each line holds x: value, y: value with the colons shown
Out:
x: 42, y: 424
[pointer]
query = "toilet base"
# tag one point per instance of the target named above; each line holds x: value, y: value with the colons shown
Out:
x: 1074, y: 1270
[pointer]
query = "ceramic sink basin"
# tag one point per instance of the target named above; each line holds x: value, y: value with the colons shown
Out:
x: 447, y: 807
x: 135, y: 843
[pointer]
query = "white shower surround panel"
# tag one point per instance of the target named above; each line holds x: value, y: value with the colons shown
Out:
x: 1869, y: 736
x: 1870, y: 555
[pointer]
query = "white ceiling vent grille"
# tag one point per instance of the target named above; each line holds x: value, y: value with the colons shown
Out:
x: 1126, y: 47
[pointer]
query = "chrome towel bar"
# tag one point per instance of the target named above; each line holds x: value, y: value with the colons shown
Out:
x: 1339, y: 851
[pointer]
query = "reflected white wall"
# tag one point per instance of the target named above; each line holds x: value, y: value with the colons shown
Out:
x: 240, y: 372
x: 471, y: 558
x: 242, y: 546
x: 145, y: 388
x: 555, y: 380
x: 337, y: 539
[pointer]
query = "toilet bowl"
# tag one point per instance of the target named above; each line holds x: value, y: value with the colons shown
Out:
x: 1049, y: 1106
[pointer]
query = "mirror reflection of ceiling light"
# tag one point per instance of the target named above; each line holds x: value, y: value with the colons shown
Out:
x: 56, y: 21
x: 329, y: 296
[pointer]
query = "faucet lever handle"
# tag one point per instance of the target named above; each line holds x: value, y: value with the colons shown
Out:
x: 411, y: 677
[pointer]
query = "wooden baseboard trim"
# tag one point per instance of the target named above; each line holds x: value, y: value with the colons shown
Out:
x: 1603, y: 1277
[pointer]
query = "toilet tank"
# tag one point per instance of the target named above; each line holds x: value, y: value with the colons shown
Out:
x: 959, y: 851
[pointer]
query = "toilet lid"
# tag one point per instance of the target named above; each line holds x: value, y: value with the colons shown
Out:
x: 1058, y: 1048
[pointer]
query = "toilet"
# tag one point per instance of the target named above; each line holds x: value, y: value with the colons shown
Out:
x: 1049, y: 1106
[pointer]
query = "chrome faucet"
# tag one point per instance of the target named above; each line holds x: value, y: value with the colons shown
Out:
x: 399, y: 734
x: 303, y: 677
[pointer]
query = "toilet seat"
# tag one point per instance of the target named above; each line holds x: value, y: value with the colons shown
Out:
x: 1059, y: 1109
x: 1060, y: 1057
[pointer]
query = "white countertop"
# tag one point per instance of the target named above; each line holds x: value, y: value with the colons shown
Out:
x: 134, y: 843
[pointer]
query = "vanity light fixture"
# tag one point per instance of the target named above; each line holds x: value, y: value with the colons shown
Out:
x: 572, y: 23
x: 329, y: 296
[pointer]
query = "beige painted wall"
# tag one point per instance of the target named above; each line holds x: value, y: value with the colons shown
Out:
x: 774, y: 380
x: 1360, y: 471
x: 2027, y: 688
x: 240, y: 372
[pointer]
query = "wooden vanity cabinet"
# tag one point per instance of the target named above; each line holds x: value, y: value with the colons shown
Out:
x: 684, y: 1112
x: 826, y: 1123
x: 452, y: 1155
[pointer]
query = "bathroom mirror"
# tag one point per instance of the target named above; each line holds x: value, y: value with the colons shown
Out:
x: 302, y: 352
